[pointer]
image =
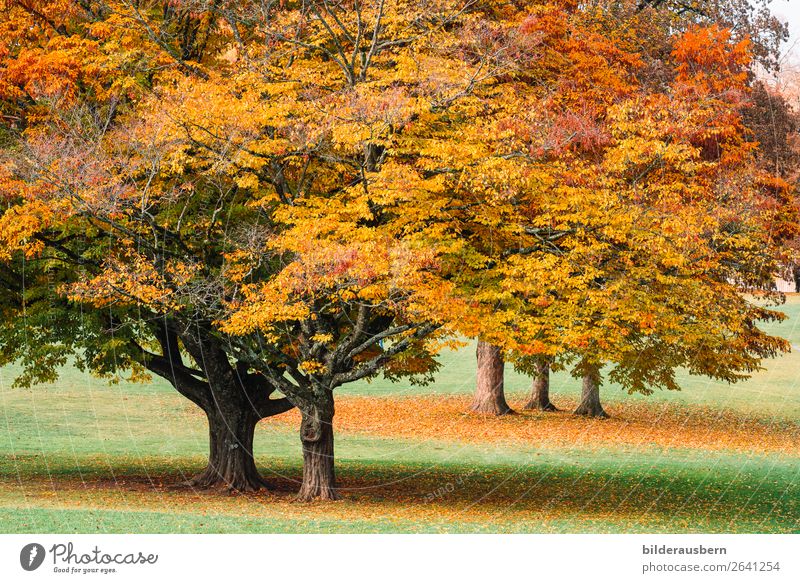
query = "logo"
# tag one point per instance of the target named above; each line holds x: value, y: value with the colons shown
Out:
x: 31, y: 556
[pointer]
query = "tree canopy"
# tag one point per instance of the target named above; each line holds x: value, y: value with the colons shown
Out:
x: 249, y: 198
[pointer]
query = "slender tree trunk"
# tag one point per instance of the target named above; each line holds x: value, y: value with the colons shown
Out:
x: 590, y: 397
x: 540, y: 389
x: 489, y: 395
x: 316, y: 435
x: 230, y: 462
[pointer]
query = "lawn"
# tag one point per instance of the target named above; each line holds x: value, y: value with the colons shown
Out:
x: 83, y: 456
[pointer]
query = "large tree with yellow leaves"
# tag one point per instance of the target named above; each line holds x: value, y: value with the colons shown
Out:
x: 191, y: 191
x: 290, y: 196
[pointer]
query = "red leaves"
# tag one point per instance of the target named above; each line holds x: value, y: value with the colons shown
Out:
x: 572, y: 130
x: 709, y: 62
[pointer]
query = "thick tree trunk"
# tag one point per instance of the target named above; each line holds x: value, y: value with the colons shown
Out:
x: 540, y: 389
x: 489, y: 395
x: 590, y: 397
x: 316, y: 435
x: 232, y: 418
x: 231, y: 465
x: 233, y: 399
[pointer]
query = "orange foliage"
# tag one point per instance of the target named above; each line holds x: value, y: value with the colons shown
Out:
x: 328, y: 195
x: 631, y: 425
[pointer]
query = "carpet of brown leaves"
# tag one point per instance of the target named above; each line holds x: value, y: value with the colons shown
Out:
x: 632, y: 424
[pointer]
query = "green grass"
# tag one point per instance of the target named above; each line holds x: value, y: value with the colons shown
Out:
x: 442, y: 491
x: 83, y: 456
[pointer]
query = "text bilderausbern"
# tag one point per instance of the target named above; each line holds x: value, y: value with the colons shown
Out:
x: 665, y: 550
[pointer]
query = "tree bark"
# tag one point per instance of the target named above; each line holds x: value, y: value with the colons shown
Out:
x: 233, y: 398
x: 590, y: 397
x: 234, y: 401
x: 316, y: 436
x: 540, y: 389
x: 489, y: 394
x: 231, y: 464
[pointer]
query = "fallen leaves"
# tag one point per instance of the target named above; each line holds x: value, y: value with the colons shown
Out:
x: 636, y: 425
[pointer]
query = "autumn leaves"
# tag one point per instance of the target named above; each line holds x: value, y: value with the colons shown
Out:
x: 251, y: 200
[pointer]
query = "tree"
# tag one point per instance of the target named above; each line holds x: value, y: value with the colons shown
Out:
x: 539, y: 398
x: 589, y: 404
x: 489, y: 393
x: 365, y: 286
x: 747, y: 19
x: 775, y: 125
x: 85, y: 192
x: 608, y: 287
x: 235, y: 185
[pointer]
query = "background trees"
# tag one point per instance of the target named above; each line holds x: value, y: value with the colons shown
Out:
x: 659, y: 135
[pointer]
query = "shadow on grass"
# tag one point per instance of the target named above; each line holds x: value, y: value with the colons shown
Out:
x: 635, y: 493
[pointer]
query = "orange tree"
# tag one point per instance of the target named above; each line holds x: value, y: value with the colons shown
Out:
x: 363, y: 250
x: 702, y: 224
x: 751, y: 19
x: 624, y: 176
x: 249, y: 198
x: 192, y: 192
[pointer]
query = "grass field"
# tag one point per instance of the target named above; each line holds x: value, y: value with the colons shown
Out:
x: 82, y: 456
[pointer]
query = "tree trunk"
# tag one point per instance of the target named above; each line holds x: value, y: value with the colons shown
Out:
x: 489, y: 395
x: 316, y: 435
x: 233, y: 399
x: 231, y: 465
x: 540, y: 389
x: 590, y: 397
